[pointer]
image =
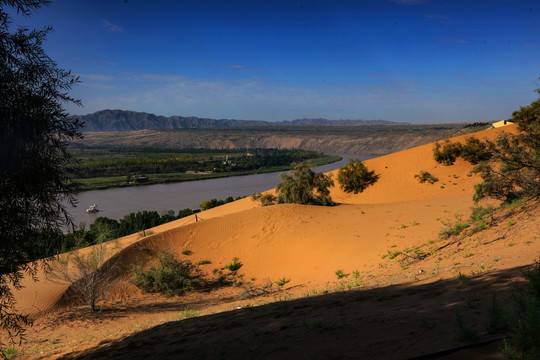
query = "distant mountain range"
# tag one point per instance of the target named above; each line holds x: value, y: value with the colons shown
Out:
x: 124, y: 120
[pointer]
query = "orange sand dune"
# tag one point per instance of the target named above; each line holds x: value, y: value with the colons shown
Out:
x: 306, y: 244
x: 397, y: 171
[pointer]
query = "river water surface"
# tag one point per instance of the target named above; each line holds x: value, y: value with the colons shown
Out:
x: 115, y: 203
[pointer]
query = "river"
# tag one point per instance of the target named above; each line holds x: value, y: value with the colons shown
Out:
x: 115, y: 203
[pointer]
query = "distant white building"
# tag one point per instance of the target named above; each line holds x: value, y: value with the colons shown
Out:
x: 498, y: 124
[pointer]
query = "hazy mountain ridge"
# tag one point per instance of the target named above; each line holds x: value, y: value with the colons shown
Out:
x: 125, y: 120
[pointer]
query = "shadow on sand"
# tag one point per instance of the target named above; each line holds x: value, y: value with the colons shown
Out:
x: 392, y: 322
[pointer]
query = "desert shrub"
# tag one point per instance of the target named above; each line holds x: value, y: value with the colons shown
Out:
x: 478, y: 212
x: 89, y: 274
x: 447, y: 153
x: 355, y: 177
x: 169, y: 277
x: 425, y: 176
x: 475, y: 151
x: 303, y: 186
x: 267, y: 199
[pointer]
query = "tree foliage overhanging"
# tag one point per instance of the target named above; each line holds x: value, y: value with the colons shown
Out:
x: 34, y: 129
x: 509, y: 165
x: 513, y: 170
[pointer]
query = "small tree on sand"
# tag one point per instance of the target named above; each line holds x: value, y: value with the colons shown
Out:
x: 90, y: 274
x: 355, y: 176
x: 304, y: 186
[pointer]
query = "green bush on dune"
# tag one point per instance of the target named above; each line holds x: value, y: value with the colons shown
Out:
x: 304, y: 186
x: 169, y: 277
x: 355, y: 176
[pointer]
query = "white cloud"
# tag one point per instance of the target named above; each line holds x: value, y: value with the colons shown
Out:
x: 110, y: 26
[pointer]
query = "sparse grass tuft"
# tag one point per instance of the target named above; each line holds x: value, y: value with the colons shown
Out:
x: 463, y: 331
x: 282, y: 281
x: 512, y: 204
x: 451, y: 230
x: 497, y: 320
x: 524, y: 320
x: 340, y: 274
x: 187, y: 252
x: 187, y: 313
x: 234, y: 265
x: 9, y: 352
x: 462, y: 278
x: 427, y: 323
x: 391, y: 254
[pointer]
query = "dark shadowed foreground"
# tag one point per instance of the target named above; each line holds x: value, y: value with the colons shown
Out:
x: 393, y: 322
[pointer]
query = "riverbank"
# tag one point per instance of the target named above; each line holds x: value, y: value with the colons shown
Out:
x: 110, y: 182
x: 115, y: 203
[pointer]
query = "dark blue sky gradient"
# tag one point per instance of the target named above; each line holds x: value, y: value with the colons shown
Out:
x: 407, y: 60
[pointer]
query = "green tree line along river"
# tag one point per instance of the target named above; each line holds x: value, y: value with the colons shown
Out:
x: 96, y: 169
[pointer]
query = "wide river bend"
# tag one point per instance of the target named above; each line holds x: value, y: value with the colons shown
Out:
x: 115, y: 203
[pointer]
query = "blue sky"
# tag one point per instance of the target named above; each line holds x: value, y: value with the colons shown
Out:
x: 420, y: 61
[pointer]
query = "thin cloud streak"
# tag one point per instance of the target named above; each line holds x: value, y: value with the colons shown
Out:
x: 110, y: 26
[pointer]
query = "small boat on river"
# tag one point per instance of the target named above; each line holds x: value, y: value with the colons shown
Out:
x: 92, y: 209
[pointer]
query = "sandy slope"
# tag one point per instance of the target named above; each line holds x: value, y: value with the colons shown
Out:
x: 304, y: 244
